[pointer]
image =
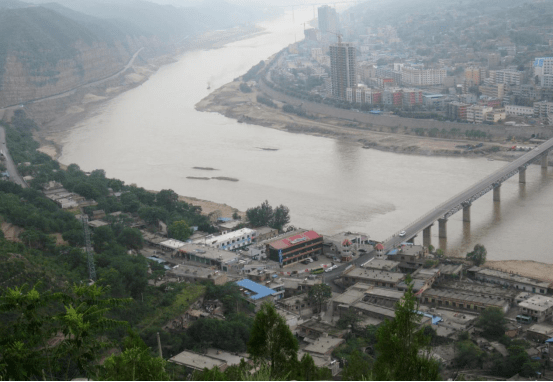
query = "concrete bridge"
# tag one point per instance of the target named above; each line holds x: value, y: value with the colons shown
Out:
x: 464, y: 199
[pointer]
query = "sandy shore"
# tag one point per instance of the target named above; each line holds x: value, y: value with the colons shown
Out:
x: 231, y: 102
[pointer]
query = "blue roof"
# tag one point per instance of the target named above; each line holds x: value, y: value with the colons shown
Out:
x: 224, y: 219
x: 393, y: 252
x: 259, y: 290
x: 435, y: 319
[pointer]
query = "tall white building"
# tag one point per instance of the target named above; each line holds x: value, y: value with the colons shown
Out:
x: 542, y: 66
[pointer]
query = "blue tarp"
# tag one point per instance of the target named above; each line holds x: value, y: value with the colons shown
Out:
x: 549, y: 340
x: 259, y: 290
x: 393, y: 252
x: 435, y: 319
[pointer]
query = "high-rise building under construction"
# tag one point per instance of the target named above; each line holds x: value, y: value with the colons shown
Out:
x: 342, y: 69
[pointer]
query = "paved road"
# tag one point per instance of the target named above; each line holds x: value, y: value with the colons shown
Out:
x: 12, y: 169
x: 72, y: 91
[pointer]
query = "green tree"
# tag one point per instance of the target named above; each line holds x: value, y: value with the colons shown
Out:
x: 348, y: 319
x: 468, y: 355
x: 492, y: 322
x: 261, y: 215
x: 167, y: 199
x: 103, y: 238
x: 272, y: 341
x: 358, y: 367
x: 399, y: 344
x: 281, y: 217
x: 478, y: 255
x: 179, y: 230
x: 135, y: 363
x: 131, y: 238
x: 82, y: 322
x: 319, y: 294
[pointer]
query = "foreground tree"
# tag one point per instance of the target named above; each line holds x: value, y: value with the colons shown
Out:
x: 399, y: 344
x: 272, y: 341
x: 135, y: 363
x: 478, y: 255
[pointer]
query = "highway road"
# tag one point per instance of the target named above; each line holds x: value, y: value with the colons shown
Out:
x: 12, y: 169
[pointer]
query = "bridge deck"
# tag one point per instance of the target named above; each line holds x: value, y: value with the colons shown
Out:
x: 467, y: 196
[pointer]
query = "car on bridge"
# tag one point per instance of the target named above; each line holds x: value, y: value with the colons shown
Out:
x: 402, y: 233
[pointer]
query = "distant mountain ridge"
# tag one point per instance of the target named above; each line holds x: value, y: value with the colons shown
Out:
x: 50, y: 48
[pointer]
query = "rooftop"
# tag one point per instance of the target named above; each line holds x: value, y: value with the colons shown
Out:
x: 208, y: 252
x: 196, y: 361
x: 323, y: 345
x: 537, y: 303
x: 464, y: 296
x: 349, y: 297
x: 373, y: 274
x: 513, y: 277
x: 172, y: 244
x: 385, y: 292
x: 231, y: 235
x: 382, y: 264
x: 259, y: 291
x: 293, y: 240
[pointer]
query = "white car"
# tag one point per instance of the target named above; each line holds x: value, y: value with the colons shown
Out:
x: 402, y: 233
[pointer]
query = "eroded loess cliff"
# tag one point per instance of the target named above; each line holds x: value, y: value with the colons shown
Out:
x: 44, y: 54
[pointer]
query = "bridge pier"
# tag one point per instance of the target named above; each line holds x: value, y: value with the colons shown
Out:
x: 466, y: 213
x: 442, y: 228
x: 497, y: 194
x: 544, y: 160
x: 522, y: 175
x: 412, y: 240
x: 426, y: 236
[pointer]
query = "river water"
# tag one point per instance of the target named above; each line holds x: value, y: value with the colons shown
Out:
x: 153, y: 136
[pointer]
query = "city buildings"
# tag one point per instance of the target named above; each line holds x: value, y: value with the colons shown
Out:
x: 297, y: 247
x: 422, y: 77
x: 342, y: 69
x: 328, y: 19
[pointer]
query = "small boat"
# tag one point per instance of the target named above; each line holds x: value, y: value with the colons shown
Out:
x: 208, y: 86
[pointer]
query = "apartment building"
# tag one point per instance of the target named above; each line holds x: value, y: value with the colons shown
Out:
x: 422, y: 77
x: 457, y: 110
x: 477, y: 113
x: 508, y: 77
x: 493, y: 91
x: 412, y: 97
x: 328, y: 19
x: 519, y: 110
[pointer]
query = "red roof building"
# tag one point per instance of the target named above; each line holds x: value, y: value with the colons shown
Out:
x: 295, y: 248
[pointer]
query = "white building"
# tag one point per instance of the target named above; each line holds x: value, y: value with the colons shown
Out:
x: 232, y: 240
x: 477, y: 113
x: 519, y: 110
x: 542, y: 66
x: 508, y: 77
x: 422, y: 77
x: 540, y: 308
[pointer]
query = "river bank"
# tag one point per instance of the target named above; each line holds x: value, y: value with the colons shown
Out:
x: 232, y: 103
